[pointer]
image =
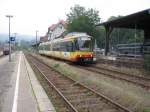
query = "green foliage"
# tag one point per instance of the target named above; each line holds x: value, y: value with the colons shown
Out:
x: 124, y: 36
x: 100, y: 36
x: 82, y: 20
x: 146, y: 110
x: 56, y: 65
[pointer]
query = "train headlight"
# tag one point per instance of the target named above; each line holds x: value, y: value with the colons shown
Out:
x: 94, y: 59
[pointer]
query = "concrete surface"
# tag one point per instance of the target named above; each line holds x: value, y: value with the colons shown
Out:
x: 1, y: 53
x: 20, y: 91
x: 44, y: 103
x: 25, y: 100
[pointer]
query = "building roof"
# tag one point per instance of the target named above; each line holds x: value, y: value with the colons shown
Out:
x: 139, y: 20
x: 62, y: 22
x: 53, y: 26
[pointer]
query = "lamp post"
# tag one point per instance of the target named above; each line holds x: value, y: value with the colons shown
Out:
x: 9, y: 16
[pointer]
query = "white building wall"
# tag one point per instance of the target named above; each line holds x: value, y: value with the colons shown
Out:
x: 57, y: 31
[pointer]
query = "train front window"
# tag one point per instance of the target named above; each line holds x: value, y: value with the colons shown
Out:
x: 84, y: 44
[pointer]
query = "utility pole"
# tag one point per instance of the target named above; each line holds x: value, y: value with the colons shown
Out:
x: 36, y: 41
x: 9, y: 16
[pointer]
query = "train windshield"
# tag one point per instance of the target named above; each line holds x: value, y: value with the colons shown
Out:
x: 84, y: 44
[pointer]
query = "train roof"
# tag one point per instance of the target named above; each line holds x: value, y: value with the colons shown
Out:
x: 68, y: 37
x: 76, y: 35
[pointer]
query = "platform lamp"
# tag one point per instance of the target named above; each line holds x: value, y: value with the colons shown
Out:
x: 9, y: 16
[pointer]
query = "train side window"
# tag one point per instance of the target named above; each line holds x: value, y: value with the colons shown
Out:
x: 47, y: 47
x: 76, y: 45
x: 56, y: 47
x: 69, y: 46
x: 53, y: 47
x: 63, y: 46
x: 44, y: 47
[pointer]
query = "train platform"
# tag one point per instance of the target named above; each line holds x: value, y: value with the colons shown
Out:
x: 1, y: 53
x: 19, y: 89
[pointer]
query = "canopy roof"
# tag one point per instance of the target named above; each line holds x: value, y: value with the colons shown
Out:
x: 139, y: 20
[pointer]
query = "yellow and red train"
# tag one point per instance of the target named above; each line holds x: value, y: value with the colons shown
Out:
x: 73, y: 47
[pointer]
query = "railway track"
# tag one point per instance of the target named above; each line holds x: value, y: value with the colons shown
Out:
x: 137, y: 80
x: 134, y: 79
x: 77, y: 97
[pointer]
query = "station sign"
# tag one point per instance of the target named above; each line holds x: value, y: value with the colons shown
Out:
x: 12, y: 38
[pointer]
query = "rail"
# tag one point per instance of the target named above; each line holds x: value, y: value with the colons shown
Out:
x: 74, y: 82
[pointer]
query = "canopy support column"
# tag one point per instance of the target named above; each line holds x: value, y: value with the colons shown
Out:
x: 146, y: 35
x: 108, y: 32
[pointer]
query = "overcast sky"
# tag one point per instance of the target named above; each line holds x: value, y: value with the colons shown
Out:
x: 31, y: 15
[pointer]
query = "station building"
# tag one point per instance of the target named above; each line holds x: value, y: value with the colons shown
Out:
x: 56, y: 30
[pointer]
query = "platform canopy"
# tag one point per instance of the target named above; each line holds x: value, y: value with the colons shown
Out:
x: 139, y: 20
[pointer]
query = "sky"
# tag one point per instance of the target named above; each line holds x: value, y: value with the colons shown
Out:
x: 32, y: 15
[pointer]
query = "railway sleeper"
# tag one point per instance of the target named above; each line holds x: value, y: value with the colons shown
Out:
x: 91, y: 106
x: 76, y: 96
x: 58, y: 80
x: 63, y: 83
x: 87, y: 106
x: 63, y: 87
x: 86, y: 100
x: 68, y: 88
x: 74, y: 91
x: 99, y: 107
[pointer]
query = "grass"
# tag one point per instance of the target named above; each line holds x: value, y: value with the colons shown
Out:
x: 146, y: 110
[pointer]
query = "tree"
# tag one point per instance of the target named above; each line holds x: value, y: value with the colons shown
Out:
x: 100, y: 36
x: 81, y: 20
